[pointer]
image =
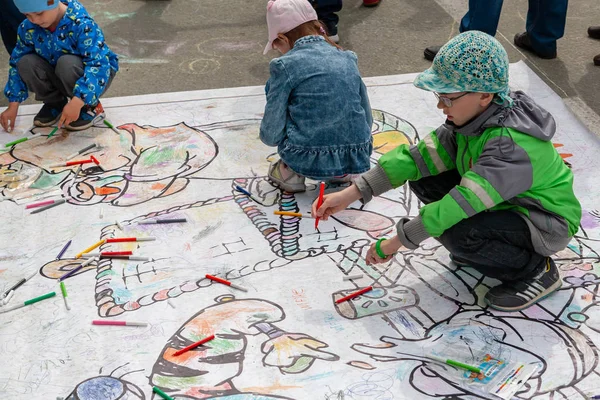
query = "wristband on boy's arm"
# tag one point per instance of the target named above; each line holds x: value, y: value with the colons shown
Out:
x: 378, y: 250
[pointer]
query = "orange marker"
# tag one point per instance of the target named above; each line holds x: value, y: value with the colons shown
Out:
x: 320, y: 203
x: 291, y: 214
x: 191, y: 346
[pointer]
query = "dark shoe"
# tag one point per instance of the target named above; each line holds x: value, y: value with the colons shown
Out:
x: 597, y: 60
x: 332, y: 32
x: 88, y: 116
x: 49, y: 114
x: 331, y: 28
x: 371, y: 3
x: 594, y: 32
x: 431, y: 52
x: 518, y: 295
x: 522, y: 41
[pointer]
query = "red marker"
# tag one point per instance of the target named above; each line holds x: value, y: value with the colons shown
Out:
x: 110, y: 254
x: 77, y: 162
x: 70, y: 163
x: 352, y: 295
x: 95, y: 160
x: 130, y: 239
x: 191, y: 346
x: 226, y: 282
x: 320, y: 202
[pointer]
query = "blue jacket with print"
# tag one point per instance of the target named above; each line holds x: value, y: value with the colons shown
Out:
x: 77, y: 34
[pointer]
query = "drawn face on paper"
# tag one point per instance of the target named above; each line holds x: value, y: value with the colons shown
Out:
x: 136, y: 165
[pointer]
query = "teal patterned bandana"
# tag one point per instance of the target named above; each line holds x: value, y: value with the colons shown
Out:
x: 471, y: 62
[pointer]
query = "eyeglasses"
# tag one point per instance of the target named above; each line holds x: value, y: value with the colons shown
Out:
x: 447, y: 100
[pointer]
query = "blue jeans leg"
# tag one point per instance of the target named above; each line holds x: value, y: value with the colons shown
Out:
x: 496, y: 243
x: 483, y: 15
x: 10, y: 19
x: 546, y: 21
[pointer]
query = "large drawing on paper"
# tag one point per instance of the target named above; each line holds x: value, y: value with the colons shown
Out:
x: 286, y: 338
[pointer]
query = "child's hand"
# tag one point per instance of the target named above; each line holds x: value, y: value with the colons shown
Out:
x: 335, y: 202
x: 8, y: 117
x: 71, y: 112
x: 388, y: 247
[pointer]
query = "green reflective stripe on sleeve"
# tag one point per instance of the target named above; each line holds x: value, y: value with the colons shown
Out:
x: 442, y: 154
x: 431, y: 156
x: 419, y: 161
x: 479, y: 191
x: 473, y: 200
x: 462, y: 202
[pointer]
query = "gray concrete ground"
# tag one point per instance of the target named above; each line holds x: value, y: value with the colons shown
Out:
x: 180, y: 45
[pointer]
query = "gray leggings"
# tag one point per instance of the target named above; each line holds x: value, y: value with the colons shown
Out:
x: 52, y: 85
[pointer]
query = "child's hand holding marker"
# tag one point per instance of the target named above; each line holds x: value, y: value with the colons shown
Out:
x: 335, y: 202
x: 382, y: 250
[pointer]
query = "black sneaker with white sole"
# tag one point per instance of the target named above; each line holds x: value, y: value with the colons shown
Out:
x: 49, y: 114
x: 518, y: 295
x: 88, y: 116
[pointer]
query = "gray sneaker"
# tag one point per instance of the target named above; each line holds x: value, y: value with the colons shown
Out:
x: 294, y: 183
x: 518, y: 295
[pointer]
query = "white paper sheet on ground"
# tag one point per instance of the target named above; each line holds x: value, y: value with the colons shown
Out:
x: 181, y: 155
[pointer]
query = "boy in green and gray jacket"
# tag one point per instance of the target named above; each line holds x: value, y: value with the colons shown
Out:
x: 497, y: 194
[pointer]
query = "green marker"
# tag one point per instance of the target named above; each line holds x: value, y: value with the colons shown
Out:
x: 16, y: 142
x: 63, y: 289
x: 53, y: 132
x: 161, y: 393
x: 111, y: 126
x: 457, y: 364
x: 29, y: 302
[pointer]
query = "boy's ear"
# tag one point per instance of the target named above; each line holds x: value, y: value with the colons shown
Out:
x: 486, y: 98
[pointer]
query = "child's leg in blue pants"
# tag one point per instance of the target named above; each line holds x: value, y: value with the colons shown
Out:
x: 483, y: 15
x: 496, y: 243
x: 546, y: 21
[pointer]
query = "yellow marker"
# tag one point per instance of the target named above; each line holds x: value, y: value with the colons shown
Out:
x: 100, y: 243
x: 291, y: 214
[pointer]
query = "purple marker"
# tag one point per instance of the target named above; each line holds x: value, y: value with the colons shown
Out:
x: 71, y: 272
x: 63, y: 250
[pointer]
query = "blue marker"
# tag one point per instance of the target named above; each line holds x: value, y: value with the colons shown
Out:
x: 242, y: 190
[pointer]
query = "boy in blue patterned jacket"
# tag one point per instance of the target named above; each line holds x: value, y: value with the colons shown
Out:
x: 61, y: 56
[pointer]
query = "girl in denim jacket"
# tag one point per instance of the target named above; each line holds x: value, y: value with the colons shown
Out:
x: 317, y: 112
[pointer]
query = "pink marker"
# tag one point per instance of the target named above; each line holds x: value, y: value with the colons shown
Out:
x: 40, y: 204
x: 118, y: 323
